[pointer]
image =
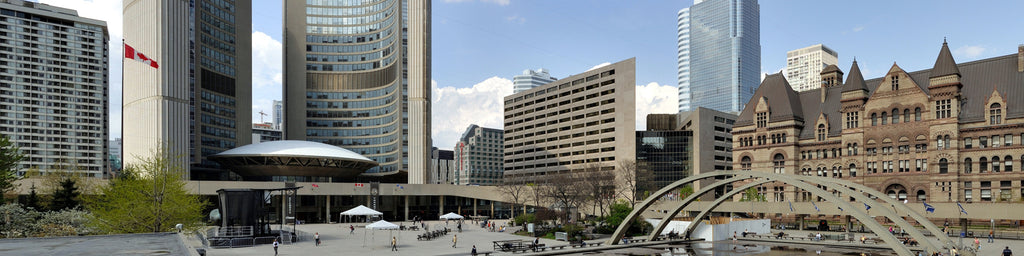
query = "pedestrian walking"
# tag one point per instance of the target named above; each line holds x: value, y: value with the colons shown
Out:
x: 275, y: 246
x: 977, y: 243
x: 1007, y: 252
x: 455, y: 240
x: 317, y: 238
x: 473, y: 252
x: 863, y: 239
x: 394, y: 244
x: 351, y: 229
x: 991, y: 236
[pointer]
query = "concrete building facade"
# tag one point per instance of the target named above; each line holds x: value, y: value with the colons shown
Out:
x: 358, y: 76
x: 708, y: 143
x: 951, y: 133
x: 265, y: 132
x: 804, y: 66
x: 561, y: 127
x: 197, y: 102
x: 443, y: 167
x: 479, y: 156
x: 719, y: 54
x: 530, y: 79
x: 54, y: 86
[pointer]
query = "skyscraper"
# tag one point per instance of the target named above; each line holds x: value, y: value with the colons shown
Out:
x: 197, y: 102
x: 278, y: 114
x: 804, y: 66
x: 719, y: 54
x: 53, y: 75
x: 357, y: 76
x: 530, y: 79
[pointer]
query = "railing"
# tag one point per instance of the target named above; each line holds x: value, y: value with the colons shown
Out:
x: 233, y: 231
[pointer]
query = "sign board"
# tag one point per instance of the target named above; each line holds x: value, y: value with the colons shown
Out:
x: 529, y: 227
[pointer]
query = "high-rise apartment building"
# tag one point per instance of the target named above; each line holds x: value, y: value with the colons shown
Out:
x: 357, y: 75
x: 530, y: 79
x: 278, y: 114
x: 265, y: 132
x: 719, y: 54
x: 478, y: 156
x: 571, y: 124
x: 115, y: 155
x: 53, y: 86
x: 443, y: 167
x: 198, y: 101
x: 804, y: 66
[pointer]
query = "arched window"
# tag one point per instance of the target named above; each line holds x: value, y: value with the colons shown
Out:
x: 853, y: 170
x: 885, y: 118
x: 917, y: 114
x: 906, y: 115
x: 968, y: 164
x: 995, y: 164
x: 745, y: 163
x: 821, y: 132
x: 779, y: 163
x: 939, y: 143
x: 995, y: 113
x: 874, y: 119
x: 855, y: 149
x: 943, y: 166
x: 921, y: 196
x: 1008, y: 164
x: 836, y: 173
x: 946, y: 138
x: 982, y: 165
x: 895, y: 116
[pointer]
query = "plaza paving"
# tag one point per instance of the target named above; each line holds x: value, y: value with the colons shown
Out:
x: 336, y: 240
x: 129, y: 244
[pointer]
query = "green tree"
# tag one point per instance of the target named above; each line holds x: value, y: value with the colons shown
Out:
x: 685, y: 191
x: 32, y: 200
x: 147, y: 197
x: 66, y: 196
x: 751, y: 195
x: 10, y: 157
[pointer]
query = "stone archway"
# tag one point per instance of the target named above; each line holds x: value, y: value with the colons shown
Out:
x: 848, y: 187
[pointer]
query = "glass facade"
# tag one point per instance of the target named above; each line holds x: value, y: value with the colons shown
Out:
x: 216, y: 120
x: 347, y: 39
x: 530, y: 79
x: 720, y: 54
x: 665, y: 154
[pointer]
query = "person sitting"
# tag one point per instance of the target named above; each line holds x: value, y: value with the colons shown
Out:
x: 781, y: 234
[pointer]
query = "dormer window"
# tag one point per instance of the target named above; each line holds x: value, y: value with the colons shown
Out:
x: 822, y: 132
x: 762, y: 119
x: 995, y: 114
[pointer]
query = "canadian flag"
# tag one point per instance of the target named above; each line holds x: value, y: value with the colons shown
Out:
x: 130, y: 53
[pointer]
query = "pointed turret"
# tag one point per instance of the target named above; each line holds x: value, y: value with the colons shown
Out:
x: 855, y: 81
x: 945, y: 65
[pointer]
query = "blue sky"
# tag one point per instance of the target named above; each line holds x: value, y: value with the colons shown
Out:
x: 478, y: 45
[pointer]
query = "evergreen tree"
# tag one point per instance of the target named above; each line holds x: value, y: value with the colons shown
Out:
x: 10, y: 157
x: 66, y: 196
x: 32, y: 201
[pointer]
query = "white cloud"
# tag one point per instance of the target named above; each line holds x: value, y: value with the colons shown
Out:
x: 655, y: 99
x: 516, y: 18
x: 858, y: 28
x: 599, y: 66
x: 499, y: 2
x: 454, y: 109
x: 109, y: 11
x: 266, y: 74
x: 969, y: 52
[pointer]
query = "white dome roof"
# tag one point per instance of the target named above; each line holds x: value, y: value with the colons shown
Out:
x: 294, y: 148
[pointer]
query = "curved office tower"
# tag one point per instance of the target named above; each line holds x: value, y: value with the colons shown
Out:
x: 356, y: 75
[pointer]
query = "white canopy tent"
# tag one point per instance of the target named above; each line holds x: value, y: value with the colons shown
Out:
x: 451, y: 216
x: 382, y: 224
x: 361, y: 211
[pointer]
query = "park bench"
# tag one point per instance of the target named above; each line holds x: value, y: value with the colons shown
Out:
x: 488, y: 253
x: 557, y: 247
x: 595, y: 244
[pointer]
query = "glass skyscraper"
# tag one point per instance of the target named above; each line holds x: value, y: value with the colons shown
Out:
x: 357, y: 76
x: 530, y: 79
x: 719, y: 54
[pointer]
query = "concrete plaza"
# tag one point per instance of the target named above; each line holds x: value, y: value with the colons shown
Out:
x: 335, y: 239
